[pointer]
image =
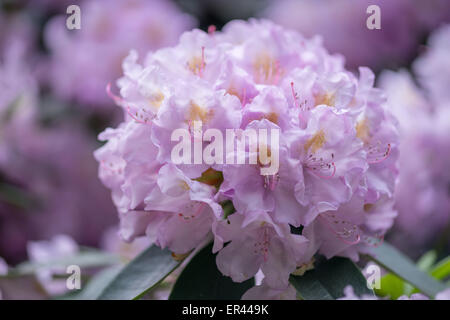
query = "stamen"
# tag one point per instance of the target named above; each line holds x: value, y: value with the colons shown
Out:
x: 262, y: 246
x: 277, y: 72
x: 330, y: 166
x: 197, y: 208
x: 301, y: 106
x: 346, y: 231
x: 117, y: 99
x: 374, y: 154
x: 202, y: 66
x: 195, y: 66
x: 317, y: 166
x: 244, y: 97
x: 143, y: 118
x: 294, y: 95
x: 271, y: 181
x: 191, y: 130
x: 266, y: 70
x: 139, y: 117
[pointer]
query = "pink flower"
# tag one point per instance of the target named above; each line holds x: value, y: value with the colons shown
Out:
x: 355, y: 227
x: 258, y: 243
x: 154, y: 199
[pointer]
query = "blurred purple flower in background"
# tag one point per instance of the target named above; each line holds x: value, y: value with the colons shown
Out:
x: 422, y: 194
x: 342, y: 24
x: 83, y: 61
x: 56, y: 169
x: 48, y: 175
x: 48, y: 183
x: 15, y: 30
x: 433, y: 67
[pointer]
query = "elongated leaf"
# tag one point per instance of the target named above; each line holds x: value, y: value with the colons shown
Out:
x: 84, y: 259
x: 96, y: 285
x: 140, y: 275
x: 442, y: 269
x: 201, y: 280
x: 328, y: 280
x: 397, y: 263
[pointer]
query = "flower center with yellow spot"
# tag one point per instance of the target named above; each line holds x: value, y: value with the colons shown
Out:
x: 197, y: 113
x: 184, y: 185
x: 232, y: 90
x: 327, y: 99
x: 316, y: 142
x: 195, y: 65
x: 271, y: 116
x: 156, y: 99
x: 362, y: 130
x: 266, y: 69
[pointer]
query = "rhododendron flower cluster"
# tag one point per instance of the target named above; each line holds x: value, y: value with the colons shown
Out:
x: 423, y: 114
x: 82, y: 61
x: 337, y: 152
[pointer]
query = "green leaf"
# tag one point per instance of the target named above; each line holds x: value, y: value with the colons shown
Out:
x: 441, y: 270
x: 396, y: 262
x: 329, y: 278
x: 140, y: 275
x: 96, y: 284
x: 83, y: 259
x: 201, y: 280
x: 391, y: 286
x: 427, y: 260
